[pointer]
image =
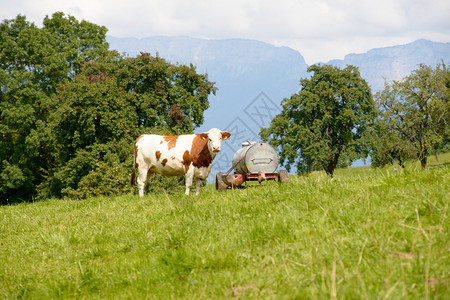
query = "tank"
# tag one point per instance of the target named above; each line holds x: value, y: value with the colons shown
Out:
x: 255, y: 157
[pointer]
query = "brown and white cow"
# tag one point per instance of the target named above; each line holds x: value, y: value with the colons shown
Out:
x: 190, y: 155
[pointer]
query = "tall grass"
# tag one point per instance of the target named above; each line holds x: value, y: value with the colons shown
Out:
x: 366, y: 233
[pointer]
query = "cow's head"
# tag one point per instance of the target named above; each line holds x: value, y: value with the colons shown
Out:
x: 214, y: 138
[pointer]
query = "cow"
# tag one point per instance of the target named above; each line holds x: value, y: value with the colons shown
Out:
x: 190, y: 155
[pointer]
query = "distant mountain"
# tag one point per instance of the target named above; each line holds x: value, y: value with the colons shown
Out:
x: 242, y: 69
x: 253, y: 77
x: 394, y: 63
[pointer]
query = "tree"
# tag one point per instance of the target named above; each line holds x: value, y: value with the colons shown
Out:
x: 33, y: 62
x: 167, y: 97
x: 324, y: 120
x: 106, y: 106
x: 417, y: 110
x: 71, y: 109
x: 387, y: 145
x: 440, y: 117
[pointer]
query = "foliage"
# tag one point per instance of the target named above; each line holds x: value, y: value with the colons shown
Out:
x: 167, y: 97
x: 387, y: 145
x: 313, y: 238
x: 325, y: 120
x: 33, y: 62
x: 415, y: 113
x: 71, y: 109
x: 110, y: 103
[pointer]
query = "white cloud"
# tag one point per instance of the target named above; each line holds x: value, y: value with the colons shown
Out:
x: 320, y: 29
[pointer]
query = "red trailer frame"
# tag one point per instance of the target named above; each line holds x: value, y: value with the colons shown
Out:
x: 228, y: 181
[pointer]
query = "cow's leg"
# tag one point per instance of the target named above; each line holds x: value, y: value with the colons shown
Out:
x: 189, y: 178
x: 142, y: 180
x: 198, y: 183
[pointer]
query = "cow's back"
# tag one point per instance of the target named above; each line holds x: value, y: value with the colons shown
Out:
x: 162, y: 154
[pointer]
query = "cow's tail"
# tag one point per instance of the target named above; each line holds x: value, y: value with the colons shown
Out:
x: 133, y: 172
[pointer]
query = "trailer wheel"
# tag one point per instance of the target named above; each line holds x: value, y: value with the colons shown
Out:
x: 220, y: 185
x: 283, y: 176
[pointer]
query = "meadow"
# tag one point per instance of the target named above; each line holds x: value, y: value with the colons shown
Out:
x: 364, y: 234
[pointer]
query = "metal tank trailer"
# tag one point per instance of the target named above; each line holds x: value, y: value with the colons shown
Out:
x: 255, y: 161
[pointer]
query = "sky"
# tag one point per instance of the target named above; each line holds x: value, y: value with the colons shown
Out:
x: 320, y: 30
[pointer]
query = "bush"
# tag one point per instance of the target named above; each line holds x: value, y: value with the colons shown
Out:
x: 107, y: 179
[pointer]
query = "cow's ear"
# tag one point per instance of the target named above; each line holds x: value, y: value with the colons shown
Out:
x: 204, y: 136
x: 225, y: 135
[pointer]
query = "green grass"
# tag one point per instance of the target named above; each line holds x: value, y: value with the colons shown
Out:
x: 367, y: 233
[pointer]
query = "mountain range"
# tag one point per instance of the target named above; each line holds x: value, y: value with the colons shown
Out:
x: 393, y: 63
x: 253, y: 77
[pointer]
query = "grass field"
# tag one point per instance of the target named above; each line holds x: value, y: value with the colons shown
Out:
x: 365, y: 234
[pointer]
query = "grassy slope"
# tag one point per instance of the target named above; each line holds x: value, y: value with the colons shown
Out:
x: 364, y: 234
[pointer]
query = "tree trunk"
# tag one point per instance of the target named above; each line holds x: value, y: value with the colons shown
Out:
x: 423, y: 162
x: 331, y: 165
x: 436, y: 153
x: 329, y: 170
x: 423, y: 154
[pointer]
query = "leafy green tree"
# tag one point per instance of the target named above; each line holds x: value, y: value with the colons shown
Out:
x: 441, y: 110
x: 417, y: 111
x: 167, y: 97
x: 106, y: 107
x: 325, y: 120
x: 387, y: 145
x: 92, y: 128
x: 71, y: 109
x: 33, y: 62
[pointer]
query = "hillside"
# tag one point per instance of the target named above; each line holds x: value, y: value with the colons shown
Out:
x: 365, y: 234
